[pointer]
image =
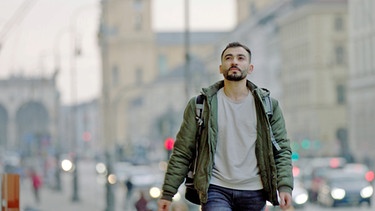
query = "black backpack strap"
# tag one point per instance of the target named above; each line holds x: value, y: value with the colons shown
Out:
x: 267, y: 103
x: 199, y: 106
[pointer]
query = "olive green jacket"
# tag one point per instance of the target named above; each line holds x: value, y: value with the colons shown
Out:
x: 275, y: 166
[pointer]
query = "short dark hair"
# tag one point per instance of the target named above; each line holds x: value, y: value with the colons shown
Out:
x: 236, y: 44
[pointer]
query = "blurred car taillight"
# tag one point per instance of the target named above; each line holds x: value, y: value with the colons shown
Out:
x: 335, y: 163
x: 370, y: 175
x: 296, y: 171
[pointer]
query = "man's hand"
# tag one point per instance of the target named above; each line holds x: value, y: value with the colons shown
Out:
x: 163, y: 205
x: 285, y: 200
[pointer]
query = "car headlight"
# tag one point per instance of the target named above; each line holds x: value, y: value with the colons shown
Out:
x: 112, y: 179
x: 101, y: 168
x: 367, y: 192
x: 155, y: 192
x: 301, y: 198
x: 67, y: 165
x: 338, y: 193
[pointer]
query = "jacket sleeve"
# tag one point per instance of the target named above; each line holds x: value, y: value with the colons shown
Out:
x: 283, y: 158
x: 182, y: 154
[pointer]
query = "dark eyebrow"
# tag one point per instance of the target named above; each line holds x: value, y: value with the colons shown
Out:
x: 229, y: 54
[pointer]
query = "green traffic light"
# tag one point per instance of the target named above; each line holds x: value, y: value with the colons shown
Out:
x: 295, y: 156
x: 306, y: 144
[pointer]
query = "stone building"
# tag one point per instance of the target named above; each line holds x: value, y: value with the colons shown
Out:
x: 146, y: 83
x: 300, y: 54
x: 313, y: 52
x: 361, y: 78
x: 29, y: 115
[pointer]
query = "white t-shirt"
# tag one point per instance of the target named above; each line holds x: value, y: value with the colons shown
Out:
x: 235, y: 164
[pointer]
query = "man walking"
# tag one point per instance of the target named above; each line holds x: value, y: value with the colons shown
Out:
x: 238, y: 166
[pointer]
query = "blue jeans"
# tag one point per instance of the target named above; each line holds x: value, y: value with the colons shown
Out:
x: 225, y: 199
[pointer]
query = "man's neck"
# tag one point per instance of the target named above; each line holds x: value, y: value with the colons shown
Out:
x: 236, y: 90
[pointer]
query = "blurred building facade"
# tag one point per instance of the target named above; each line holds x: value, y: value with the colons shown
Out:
x: 361, y: 77
x: 144, y: 76
x: 315, y: 56
x: 300, y: 53
x: 314, y: 46
x: 87, y: 128
x: 29, y: 115
x: 251, y: 8
x: 128, y: 58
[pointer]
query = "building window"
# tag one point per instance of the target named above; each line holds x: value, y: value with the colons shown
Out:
x: 139, y: 76
x: 339, y: 23
x: 138, y: 22
x: 163, y: 65
x: 339, y: 55
x: 341, y: 94
x: 115, y: 76
x: 137, y: 102
x: 137, y: 4
x: 253, y: 8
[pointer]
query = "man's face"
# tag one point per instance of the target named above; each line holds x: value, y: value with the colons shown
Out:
x: 235, y: 64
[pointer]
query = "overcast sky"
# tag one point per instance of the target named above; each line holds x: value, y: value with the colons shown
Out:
x: 31, y: 44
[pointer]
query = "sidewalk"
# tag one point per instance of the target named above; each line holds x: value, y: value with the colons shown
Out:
x: 56, y: 201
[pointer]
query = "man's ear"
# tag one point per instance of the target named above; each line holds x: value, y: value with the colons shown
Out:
x: 251, y: 69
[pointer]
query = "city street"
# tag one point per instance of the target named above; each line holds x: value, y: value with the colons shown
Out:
x: 92, y: 196
x: 320, y: 208
x: 316, y: 207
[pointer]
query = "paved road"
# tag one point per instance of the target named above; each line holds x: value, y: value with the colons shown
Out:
x: 92, y: 196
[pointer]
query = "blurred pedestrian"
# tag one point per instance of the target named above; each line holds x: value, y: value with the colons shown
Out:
x: 129, y: 188
x: 36, y: 181
x: 240, y: 164
x: 141, y: 203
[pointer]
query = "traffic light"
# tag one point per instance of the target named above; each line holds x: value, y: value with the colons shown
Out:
x: 86, y: 136
x: 295, y: 156
x: 306, y: 144
x: 169, y: 143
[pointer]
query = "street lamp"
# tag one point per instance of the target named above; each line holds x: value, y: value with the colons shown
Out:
x: 73, y: 92
x: 187, y: 50
x: 76, y: 52
x: 57, y: 64
x: 110, y: 199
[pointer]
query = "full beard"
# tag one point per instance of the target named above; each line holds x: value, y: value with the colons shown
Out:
x: 234, y: 76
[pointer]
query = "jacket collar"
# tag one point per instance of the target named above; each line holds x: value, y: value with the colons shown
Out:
x: 213, y: 89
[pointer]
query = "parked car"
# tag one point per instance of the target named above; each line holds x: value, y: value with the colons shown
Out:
x: 299, y: 194
x: 319, y: 168
x: 342, y: 188
x: 359, y: 168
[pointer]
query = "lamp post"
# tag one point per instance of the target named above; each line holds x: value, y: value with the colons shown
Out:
x: 75, y: 196
x: 73, y: 92
x: 110, y: 199
x: 187, y: 50
x: 57, y: 63
x: 108, y: 130
x: 76, y: 52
